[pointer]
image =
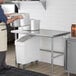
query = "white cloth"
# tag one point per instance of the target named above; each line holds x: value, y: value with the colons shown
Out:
x: 3, y: 37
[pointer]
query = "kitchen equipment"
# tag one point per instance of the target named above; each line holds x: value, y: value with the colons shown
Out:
x: 21, y: 22
x: 35, y: 24
x: 70, y: 55
x: 26, y: 19
x: 27, y: 49
x: 9, y: 8
x: 73, y: 30
x: 16, y: 23
x: 43, y: 2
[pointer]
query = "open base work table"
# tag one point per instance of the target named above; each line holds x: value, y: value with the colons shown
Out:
x: 44, y: 33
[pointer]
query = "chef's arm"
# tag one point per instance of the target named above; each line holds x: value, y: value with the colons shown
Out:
x: 13, y: 19
x: 8, y: 14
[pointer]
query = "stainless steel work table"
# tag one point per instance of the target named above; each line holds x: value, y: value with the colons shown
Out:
x: 44, y: 33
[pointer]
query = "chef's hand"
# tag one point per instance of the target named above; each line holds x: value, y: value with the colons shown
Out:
x: 10, y: 20
x: 20, y: 17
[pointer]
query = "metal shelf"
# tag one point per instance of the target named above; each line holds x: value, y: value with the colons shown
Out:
x: 59, y: 53
x: 43, y: 2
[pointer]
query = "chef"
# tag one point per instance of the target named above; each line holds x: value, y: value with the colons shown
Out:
x: 3, y: 36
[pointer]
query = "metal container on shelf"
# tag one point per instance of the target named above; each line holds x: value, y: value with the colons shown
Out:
x: 21, y: 22
x: 35, y: 24
x: 26, y: 19
x: 16, y: 23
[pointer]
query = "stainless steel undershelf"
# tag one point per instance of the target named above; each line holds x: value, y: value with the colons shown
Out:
x: 50, y: 51
x: 59, y: 53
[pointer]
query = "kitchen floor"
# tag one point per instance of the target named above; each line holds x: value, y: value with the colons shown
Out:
x: 40, y: 67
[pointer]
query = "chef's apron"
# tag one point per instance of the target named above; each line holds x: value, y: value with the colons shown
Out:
x: 3, y: 37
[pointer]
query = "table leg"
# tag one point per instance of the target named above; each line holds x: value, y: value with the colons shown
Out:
x: 68, y: 74
x: 15, y: 36
x: 52, y: 66
x: 15, y: 53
